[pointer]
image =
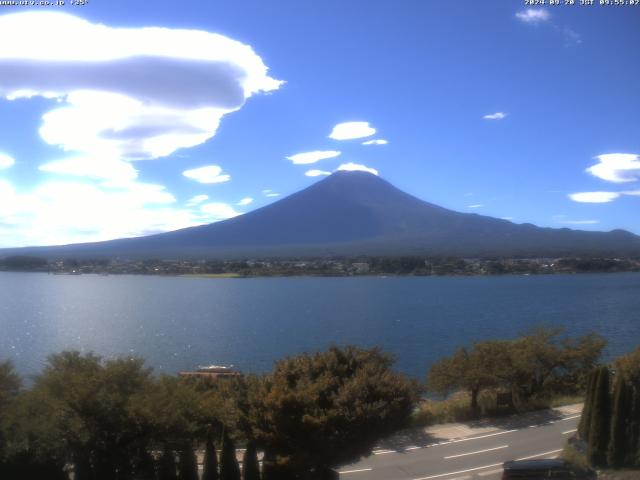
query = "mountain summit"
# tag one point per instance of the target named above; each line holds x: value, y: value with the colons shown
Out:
x: 356, y: 213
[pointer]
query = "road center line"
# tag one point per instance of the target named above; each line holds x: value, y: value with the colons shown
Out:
x: 569, y: 418
x: 344, y: 472
x: 478, y: 451
x: 570, y: 431
x: 459, y: 471
x: 543, y: 454
x: 475, y: 438
x: 490, y: 472
x: 382, y: 452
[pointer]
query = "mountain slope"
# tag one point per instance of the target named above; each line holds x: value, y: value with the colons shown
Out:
x: 353, y: 213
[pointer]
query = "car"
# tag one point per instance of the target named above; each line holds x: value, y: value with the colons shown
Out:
x: 545, y: 469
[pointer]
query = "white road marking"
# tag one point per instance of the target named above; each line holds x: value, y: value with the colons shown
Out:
x: 490, y: 472
x: 569, y: 418
x: 475, y: 438
x: 466, y: 477
x: 478, y: 451
x: 382, y: 452
x: 543, y: 454
x: 459, y: 471
x: 413, y: 448
x: 344, y: 472
x: 570, y: 431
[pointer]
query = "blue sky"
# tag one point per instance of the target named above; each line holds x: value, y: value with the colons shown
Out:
x: 110, y: 129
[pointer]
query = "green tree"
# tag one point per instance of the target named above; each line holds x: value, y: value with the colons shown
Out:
x: 600, y: 427
x: 585, y: 418
x: 619, y: 443
x: 187, y: 464
x: 229, y: 469
x: 210, y: 465
x: 250, y: 465
x: 471, y: 370
x: 316, y: 411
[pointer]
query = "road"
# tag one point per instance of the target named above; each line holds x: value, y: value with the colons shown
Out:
x: 470, y: 458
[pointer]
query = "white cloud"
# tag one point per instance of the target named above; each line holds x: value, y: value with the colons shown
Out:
x: 617, y: 167
x: 594, y: 197
x: 316, y: 173
x: 634, y: 193
x: 207, y: 174
x: 580, y: 222
x: 94, y: 166
x: 351, y: 130
x: 128, y: 93
x: 377, y: 141
x: 272, y: 194
x: 476, y: 205
x: 312, y: 157
x: 197, y: 200
x: 533, y: 15
x: 245, y: 201
x: 507, y: 218
x: 495, y: 116
x: 6, y: 161
x: 355, y: 167
x: 218, y: 211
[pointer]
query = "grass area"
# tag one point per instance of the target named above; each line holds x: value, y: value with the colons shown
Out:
x: 456, y: 407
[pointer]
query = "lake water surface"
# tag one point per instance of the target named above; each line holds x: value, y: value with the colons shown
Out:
x: 178, y: 322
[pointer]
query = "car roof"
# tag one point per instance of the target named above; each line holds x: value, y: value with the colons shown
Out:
x: 534, y: 464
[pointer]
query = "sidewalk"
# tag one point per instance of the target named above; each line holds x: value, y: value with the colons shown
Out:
x: 423, y: 437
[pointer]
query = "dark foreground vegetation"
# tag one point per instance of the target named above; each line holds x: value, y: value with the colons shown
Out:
x: 339, y: 266
x: 112, y: 419
x: 610, y: 423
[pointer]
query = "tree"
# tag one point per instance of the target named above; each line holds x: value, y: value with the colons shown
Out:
x: 585, y: 418
x: 187, y: 463
x: 316, y: 411
x: 473, y: 370
x: 210, y: 464
x: 600, y: 426
x: 621, y: 414
x: 250, y: 465
x: 229, y: 469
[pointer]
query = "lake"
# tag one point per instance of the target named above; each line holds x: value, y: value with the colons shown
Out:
x: 178, y: 323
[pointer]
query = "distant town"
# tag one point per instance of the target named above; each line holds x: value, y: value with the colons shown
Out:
x: 332, y: 267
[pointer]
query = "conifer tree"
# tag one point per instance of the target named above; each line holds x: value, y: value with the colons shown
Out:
x: 188, y: 464
x: 229, y: 469
x: 620, y: 416
x: 585, y: 418
x: 600, y: 425
x: 250, y: 465
x: 167, y: 467
x: 210, y: 467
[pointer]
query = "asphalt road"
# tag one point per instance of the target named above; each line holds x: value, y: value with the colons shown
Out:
x: 470, y: 458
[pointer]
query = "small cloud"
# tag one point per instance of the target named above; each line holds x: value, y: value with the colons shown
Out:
x: 270, y: 193
x: 594, y: 197
x: 580, y: 222
x: 495, y: 116
x: 476, y: 205
x: 197, y: 199
x: 617, y: 167
x: 533, y: 15
x: 507, y: 218
x: 635, y: 193
x: 377, y: 141
x: 316, y: 173
x: 312, y: 157
x: 570, y: 36
x: 207, y: 174
x: 218, y: 211
x: 245, y: 201
x: 351, y: 130
x: 356, y: 167
x: 6, y: 161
